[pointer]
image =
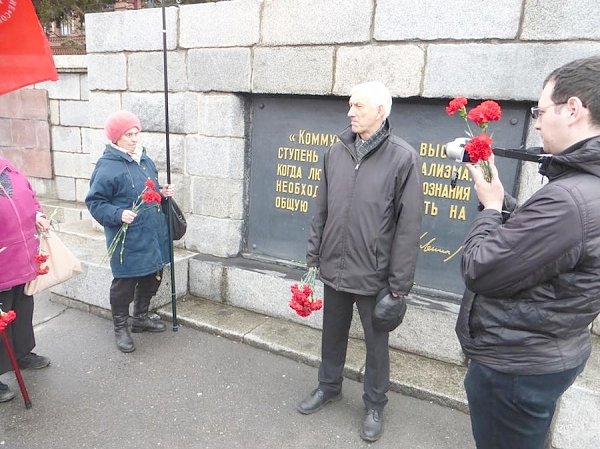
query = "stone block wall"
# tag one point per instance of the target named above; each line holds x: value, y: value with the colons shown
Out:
x: 305, y: 47
x: 69, y: 121
x: 25, y: 131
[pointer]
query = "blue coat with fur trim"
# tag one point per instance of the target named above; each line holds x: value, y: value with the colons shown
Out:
x: 116, y: 184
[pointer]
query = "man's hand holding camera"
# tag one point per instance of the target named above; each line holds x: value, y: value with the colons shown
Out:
x: 490, y: 194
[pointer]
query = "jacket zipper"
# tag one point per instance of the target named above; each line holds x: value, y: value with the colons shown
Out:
x: 347, y: 212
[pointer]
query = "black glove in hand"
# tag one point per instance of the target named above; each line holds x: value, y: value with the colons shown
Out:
x: 389, y: 311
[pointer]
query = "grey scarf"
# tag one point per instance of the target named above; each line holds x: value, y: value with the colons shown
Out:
x: 363, y: 147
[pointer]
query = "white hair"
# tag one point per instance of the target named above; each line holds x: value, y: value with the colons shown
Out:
x: 377, y: 93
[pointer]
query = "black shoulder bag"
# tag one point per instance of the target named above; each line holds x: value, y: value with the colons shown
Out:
x: 179, y: 222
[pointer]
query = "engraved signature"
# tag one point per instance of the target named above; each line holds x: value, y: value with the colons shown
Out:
x: 429, y: 247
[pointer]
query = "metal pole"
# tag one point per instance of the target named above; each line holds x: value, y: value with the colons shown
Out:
x: 13, y: 361
x: 168, y: 158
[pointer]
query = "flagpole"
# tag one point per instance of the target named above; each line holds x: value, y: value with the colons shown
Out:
x: 168, y: 159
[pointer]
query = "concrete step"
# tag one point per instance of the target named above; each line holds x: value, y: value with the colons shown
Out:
x: 410, y: 374
x: 263, y: 287
x: 64, y: 211
x: 85, y: 230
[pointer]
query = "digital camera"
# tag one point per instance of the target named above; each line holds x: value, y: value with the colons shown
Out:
x: 456, y: 150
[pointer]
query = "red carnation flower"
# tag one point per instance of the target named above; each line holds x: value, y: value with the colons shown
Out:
x: 491, y: 110
x: 6, y: 318
x: 40, y: 258
x: 150, y: 184
x: 303, y: 301
x: 150, y: 196
x: 487, y: 111
x: 479, y: 148
x: 477, y: 115
x: 456, y: 105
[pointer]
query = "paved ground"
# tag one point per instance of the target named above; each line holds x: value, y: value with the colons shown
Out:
x: 189, y: 389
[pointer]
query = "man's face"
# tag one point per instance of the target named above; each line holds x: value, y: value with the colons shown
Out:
x: 365, y: 117
x: 552, y: 122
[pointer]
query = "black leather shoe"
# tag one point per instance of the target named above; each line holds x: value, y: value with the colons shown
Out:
x: 316, y: 401
x: 33, y: 361
x: 372, y: 427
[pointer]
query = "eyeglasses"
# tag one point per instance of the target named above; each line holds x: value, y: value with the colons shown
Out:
x: 131, y: 135
x: 537, y: 112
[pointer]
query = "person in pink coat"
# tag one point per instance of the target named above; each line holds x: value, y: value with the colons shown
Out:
x: 20, y: 218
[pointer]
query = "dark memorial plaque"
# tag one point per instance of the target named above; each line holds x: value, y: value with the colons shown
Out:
x: 289, y: 137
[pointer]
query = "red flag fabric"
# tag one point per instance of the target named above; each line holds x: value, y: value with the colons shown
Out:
x: 25, y: 56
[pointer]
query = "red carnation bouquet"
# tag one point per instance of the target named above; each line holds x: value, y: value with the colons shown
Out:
x: 479, y: 148
x: 303, y: 299
x: 148, y: 197
x: 41, y: 257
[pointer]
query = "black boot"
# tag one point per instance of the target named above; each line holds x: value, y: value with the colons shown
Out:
x: 124, y: 340
x: 141, y: 321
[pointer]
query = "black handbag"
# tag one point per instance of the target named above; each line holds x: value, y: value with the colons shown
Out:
x: 179, y: 222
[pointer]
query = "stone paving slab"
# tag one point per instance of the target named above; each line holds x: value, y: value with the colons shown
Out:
x: 409, y: 374
x: 428, y: 379
x: 44, y: 310
x: 215, y: 318
x: 303, y: 344
x: 193, y: 390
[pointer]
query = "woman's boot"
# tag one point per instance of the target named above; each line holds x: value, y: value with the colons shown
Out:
x: 124, y: 340
x: 141, y: 321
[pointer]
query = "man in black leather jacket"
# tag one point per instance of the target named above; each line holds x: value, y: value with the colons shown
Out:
x: 533, y: 282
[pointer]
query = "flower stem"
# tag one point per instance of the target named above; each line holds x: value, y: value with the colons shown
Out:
x: 486, y: 169
x: 123, y: 242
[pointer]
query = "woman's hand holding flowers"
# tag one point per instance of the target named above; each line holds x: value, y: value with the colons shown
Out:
x: 145, y: 199
x: 128, y: 216
x: 41, y: 222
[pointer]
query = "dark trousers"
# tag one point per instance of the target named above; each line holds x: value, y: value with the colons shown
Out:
x: 20, y: 331
x: 139, y: 289
x: 337, y: 317
x: 510, y: 411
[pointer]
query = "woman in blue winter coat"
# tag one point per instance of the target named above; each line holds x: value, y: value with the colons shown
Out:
x: 118, y: 181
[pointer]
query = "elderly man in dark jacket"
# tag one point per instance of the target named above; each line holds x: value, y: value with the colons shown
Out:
x: 534, y: 281
x: 364, y: 238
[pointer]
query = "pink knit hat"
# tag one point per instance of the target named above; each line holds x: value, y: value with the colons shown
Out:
x: 119, y: 123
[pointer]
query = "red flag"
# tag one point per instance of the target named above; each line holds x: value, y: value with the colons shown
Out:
x: 25, y: 56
